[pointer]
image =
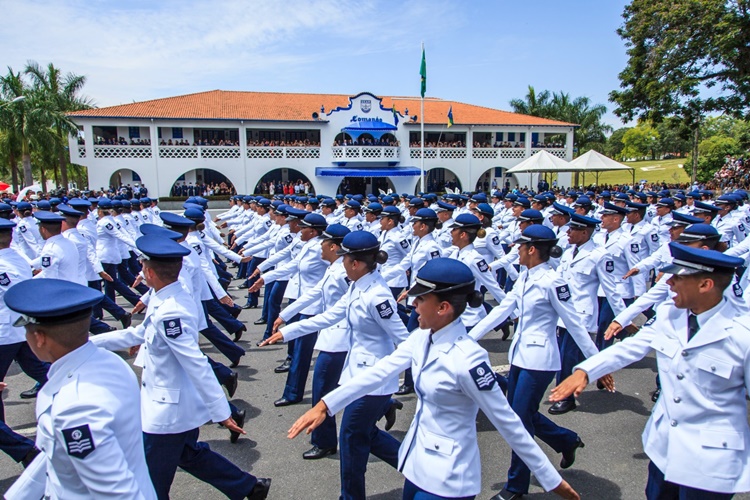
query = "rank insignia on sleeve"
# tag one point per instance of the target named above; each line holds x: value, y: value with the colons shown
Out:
x: 635, y: 248
x: 435, y: 254
x: 736, y: 288
x: 483, y: 376
x: 482, y: 265
x: 173, y: 328
x: 404, y: 244
x: 4, y: 279
x: 79, y: 441
x: 46, y: 262
x: 654, y: 237
x: 495, y: 240
x: 288, y: 238
x: 385, y: 310
x: 109, y: 226
x: 650, y: 322
x: 563, y: 293
x: 741, y: 227
x: 22, y: 229
x: 268, y: 223
x: 198, y: 249
x: 118, y: 225
x: 609, y: 266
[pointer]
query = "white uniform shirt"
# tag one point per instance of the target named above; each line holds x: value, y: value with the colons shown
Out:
x: 13, y: 270
x: 422, y: 251
x: 60, y: 259
x: 393, y: 243
x: 82, y: 246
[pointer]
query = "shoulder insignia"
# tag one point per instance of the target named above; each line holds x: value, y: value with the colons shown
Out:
x: 650, y: 322
x: 79, y: 441
x: 268, y: 223
x: 385, y: 310
x: 654, y: 237
x: 482, y: 265
x: 635, y: 248
x: 135, y: 216
x: 118, y: 225
x: 22, y: 229
x: 46, y: 261
x: 198, y: 249
x: 404, y: 244
x: 736, y: 288
x: 359, y: 227
x: 609, y: 266
x: 203, y: 234
x: 435, y: 254
x: 483, y: 376
x: 496, y: 240
x: 741, y: 227
x: 173, y: 328
x: 109, y: 226
x: 288, y: 238
x: 4, y: 279
x: 563, y: 293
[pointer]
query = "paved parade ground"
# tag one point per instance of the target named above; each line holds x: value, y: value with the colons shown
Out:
x: 611, y: 466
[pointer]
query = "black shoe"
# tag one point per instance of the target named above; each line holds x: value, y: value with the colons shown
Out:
x: 260, y: 321
x: 248, y: 306
x: 284, y: 402
x: 243, y: 286
x: 260, y: 490
x: 231, y: 384
x: 235, y: 363
x: 506, y: 331
x: 405, y: 389
x: 239, y: 419
x: 315, y: 453
x: 31, y: 455
x: 235, y: 311
x: 562, y: 407
x: 654, y: 395
x: 569, y: 457
x: 126, y: 320
x: 238, y: 333
x: 31, y: 393
x: 390, y: 414
x: 283, y: 367
x: 599, y: 384
x: 507, y: 495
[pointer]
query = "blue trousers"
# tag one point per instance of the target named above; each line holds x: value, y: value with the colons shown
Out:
x: 27, y: 360
x: 526, y: 389
x: 358, y: 438
x: 414, y: 492
x: 14, y: 444
x: 133, y: 265
x: 166, y: 452
x: 570, y: 356
x: 220, y: 313
x: 117, y: 285
x: 411, y: 325
x: 97, y: 326
x: 328, y: 367
x: 301, y: 359
x: 107, y: 304
x: 659, y: 489
x: 252, y: 298
x: 274, y: 297
x: 224, y: 344
x: 128, y: 277
x: 606, y: 316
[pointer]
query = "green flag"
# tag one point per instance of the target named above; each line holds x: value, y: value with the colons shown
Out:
x: 423, y: 73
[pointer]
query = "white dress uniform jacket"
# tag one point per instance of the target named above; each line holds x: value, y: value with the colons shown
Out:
x: 179, y: 390
x: 540, y: 296
x: 25, y: 239
x: 372, y: 327
x: 393, y: 243
x: 84, y: 252
x: 108, y: 240
x: 453, y: 379
x: 701, y: 415
x: 60, y: 259
x: 89, y: 432
x: 484, y: 278
x: 422, y: 250
x: 13, y: 270
x: 643, y: 241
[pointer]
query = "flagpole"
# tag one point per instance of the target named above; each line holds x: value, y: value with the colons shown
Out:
x: 421, y: 126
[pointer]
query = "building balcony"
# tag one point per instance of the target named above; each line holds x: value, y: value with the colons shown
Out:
x: 294, y: 152
x: 196, y: 152
x: 121, y: 152
x: 365, y: 153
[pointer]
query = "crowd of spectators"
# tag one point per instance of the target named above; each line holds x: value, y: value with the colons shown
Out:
x: 200, y: 189
x: 284, y: 144
x: 298, y: 187
x: 366, y: 141
x: 734, y: 173
x: 439, y: 144
x: 119, y: 141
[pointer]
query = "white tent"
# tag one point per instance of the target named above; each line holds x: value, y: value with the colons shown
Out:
x: 543, y: 162
x: 594, y: 161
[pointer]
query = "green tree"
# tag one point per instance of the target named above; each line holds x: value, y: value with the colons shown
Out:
x: 614, y: 145
x: 674, y: 137
x: 22, y: 121
x: 640, y: 141
x: 533, y: 104
x: 712, y: 154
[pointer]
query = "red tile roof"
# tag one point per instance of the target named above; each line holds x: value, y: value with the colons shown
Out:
x: 276, y: 106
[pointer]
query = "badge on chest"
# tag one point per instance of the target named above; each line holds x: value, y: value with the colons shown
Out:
x: 483, y: 376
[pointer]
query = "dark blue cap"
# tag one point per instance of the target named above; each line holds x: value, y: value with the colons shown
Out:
x: 479, y: 198
x: 79, y: 204
x: 282, y: 209
x: 4, y: 207
x: 416, y: 202
x: 701, y: 207
x: 335, y: 232
x: 194, y: 214
x: 43, y: 205
x: 315, y: 221
x: 48, y: 217
x: 622, y: 197
x: 105, y: 204
x: 174, y: 220
x: 390, y: 211
x: 537, y: 233
x: 387, y: 200
x: 559, y: 209
x: 680, y: 196
x: 693, y: 194
x: 687, y: 260
x: 93, y: 200
x: 117, y: 203
x: 680, y: 219
x: 665, y: 202
x: 581, y: 221
x: 698, y: 232
x: 187, y: 205
x: 443, y: 206
x: 605, y: 194
x: 353, y: 204
x: 145, y: 200
x: 328, y: 202
x: 523, y: 202
x: 264, y: 202
x: 485, y: 209
x: 358, y: 197
x: 68, y: 210
x: 632, y: 206
x: 510, y: 197
x: 641, y: 196
x: 531, y: 215
x: 359, y: 242
x: 611, y: 209
x: 443, y: 275
x: 67, y: 301
x: 295, y: 213
x: 726, y: 199
x: 160, y: 248
x: 424, y: 214
x: 6, y: 224
x: 466, y: 221
x: 582, y: 201
x: 156, y: 230
x: 540, y: 198
x: 374, y: 208
x: 312, y: 201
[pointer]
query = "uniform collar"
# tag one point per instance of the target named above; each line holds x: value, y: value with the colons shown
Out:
x: 158, y: 297
x: 60, y: 371
x: 444, y: 338
x: 365, y: 281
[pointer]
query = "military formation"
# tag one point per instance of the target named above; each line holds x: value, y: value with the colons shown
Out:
x: 382, y: 296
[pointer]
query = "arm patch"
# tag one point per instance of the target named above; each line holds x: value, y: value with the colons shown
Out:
x: 482, y: 265
x: 172, y: 328
x: 288, y: 238
x: 434, y: 254
x: 609, y: 266
x: 650, y: 322
x: 736, y: 288
x: 483, y: 376
x: 563, y: 293
x: 496, y: 240
x: 79, y: 441
x: 46, y: 261
x: 385, y: 310
x: 654, y: 237
x: 404, y: 244
x: 635, y: 248
x: 4, y: 279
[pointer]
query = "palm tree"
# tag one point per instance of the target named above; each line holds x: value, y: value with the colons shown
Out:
x: 60, y: 94
x: 20, y: 119
x: 534, y: 105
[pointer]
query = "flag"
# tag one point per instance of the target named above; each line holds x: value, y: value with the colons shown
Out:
x: 423, y: 74
x: 395, y: 115
x: 450, y: 117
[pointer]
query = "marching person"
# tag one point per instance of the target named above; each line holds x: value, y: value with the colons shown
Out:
x: 439, y: 456
x: 88, y: 412
x: 703, y: 358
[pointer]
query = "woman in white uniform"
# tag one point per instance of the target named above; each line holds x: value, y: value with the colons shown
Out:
x: 439, y: 456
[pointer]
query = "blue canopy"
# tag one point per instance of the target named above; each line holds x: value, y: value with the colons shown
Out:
x: 367, y: 172
x: 369, y: 127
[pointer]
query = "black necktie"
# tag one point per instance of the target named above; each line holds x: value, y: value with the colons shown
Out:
x: 575, y: 251
x: 606, y: 238
x: 693, y: 326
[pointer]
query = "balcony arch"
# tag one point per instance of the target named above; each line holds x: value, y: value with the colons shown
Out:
x: 124, y: 177
x: 437, y: 178
x: 365, y: 185
x: 287, y: 177
x: 211, y: 182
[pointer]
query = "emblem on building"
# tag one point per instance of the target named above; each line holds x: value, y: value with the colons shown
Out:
x: 365, y: 105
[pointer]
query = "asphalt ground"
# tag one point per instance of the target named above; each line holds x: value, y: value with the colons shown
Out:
x: 611, y: 466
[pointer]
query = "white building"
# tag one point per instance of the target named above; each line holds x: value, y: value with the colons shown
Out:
x: 366, y: 142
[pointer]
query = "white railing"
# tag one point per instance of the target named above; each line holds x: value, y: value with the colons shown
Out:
x: 221, y: 152
x: 81, y: 151
x: 442, y: 153
x: 302, y: 152
x: 269, y: 152
x: 122, y: 152
x: 559, y: 152
x: 178, y: 152
x: 365, y: 152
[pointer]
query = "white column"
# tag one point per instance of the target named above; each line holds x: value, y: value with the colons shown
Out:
x: 154, y: 134
x: 569, y: 145
x: 88, y: 136
x: 243, y: 155
x: 527, y: 144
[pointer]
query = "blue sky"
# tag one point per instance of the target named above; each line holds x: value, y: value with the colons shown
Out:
x: 478, y: 51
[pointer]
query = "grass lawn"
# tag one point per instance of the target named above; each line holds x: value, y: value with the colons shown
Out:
x: 669, y: 171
